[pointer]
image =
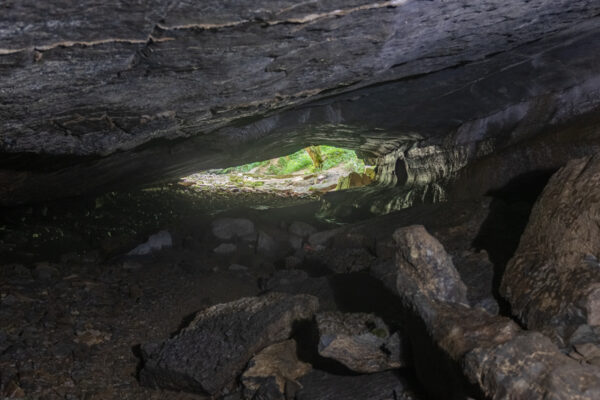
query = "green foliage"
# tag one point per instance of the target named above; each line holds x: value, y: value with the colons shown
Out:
x: 301, y: 161
x: 335, y: 156
x: 289, y: 164
x: 242, y: 168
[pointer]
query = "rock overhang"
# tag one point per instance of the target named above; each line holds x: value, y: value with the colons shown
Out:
x: 139, y: 94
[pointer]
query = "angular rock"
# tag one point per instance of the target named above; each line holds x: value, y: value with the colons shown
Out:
x: 477, y: 272
x: 302, y: 229
x: 354, y: 179
x: 272, y: 370
x: 323, y: 238
x: 208, y: 354
x: 266, y: 244
x: 426, y: 268
x: 229, y: 228
x: 361, y: 342
x: 295, y: 281
x: 530, y: 366
x: 343, y: 260
x: 225, y: 248
x: 155, y: 242
x: 488, y: 351
x: 553, y: 280
x: 389, y: 385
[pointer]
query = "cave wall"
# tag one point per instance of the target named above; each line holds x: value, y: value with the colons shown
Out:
x: 100, y: 96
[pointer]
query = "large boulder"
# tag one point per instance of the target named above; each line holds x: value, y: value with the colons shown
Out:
x: 426, y: 267
x: 212, y: 351
x: 553, y: 280
x: 457, y: 346
x: 361, y: 342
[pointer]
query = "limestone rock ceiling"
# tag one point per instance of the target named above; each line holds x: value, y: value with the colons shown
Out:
x: 103, y: 93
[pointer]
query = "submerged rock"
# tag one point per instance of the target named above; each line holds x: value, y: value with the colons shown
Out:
x: 155, y: 242
x: 229, y: 228
x: 212, y: 351
x: 274, y: 372
x: 553, y: 280
x: 361, y: 342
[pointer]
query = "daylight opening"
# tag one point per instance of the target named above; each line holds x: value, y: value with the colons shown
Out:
x: 309, y: 172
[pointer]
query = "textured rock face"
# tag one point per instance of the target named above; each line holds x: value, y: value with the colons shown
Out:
x: 422, y: 260
x: 387, y: 385
x: 491, y: 352
x: 164, y: 88
x: 273, y: 372
x: 209, y: 354
x: 362, y: 342
x: 553, y: 280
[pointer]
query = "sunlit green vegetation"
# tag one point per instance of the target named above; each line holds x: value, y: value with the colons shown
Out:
x: 301, y: 162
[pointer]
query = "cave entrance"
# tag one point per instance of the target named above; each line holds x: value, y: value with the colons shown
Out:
x: 309, y: 172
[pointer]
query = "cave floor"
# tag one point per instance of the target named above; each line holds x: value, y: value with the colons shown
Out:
x: 74, y: 310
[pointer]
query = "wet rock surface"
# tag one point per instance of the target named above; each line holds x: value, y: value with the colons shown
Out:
x: 213, y: 349
x: 552, y: 282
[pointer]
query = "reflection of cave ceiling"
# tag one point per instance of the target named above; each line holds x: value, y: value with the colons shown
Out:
x: 93, y: 96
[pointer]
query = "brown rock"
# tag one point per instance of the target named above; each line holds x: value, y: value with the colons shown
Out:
x: 553, y: 280
x: 271, y: 370
x: 426, y: 267
x: 489, y: 351
x: 362, y: 342
x: 208, y: 354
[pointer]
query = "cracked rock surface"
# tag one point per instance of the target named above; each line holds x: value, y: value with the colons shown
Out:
x: 135, y: 94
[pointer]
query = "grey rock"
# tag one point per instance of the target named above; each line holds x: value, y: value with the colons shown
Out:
x: 208, y: 354
x: 319, y: 385
x: 342, y: 70
x: 323, y: 238
x: 361, y: 342
x: 155, y: 243
x: 295, y: 242
x: 237, y: 267
x: 225, y: 248
x: 302, y: 229
x: 422, y: 259
x: 229, y: 228
x: 489, y: 351
x: 266, y: 244
x: 530, y: 366
x: 272, y: 370
x: 553, y: 280
x: 343, y: 260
